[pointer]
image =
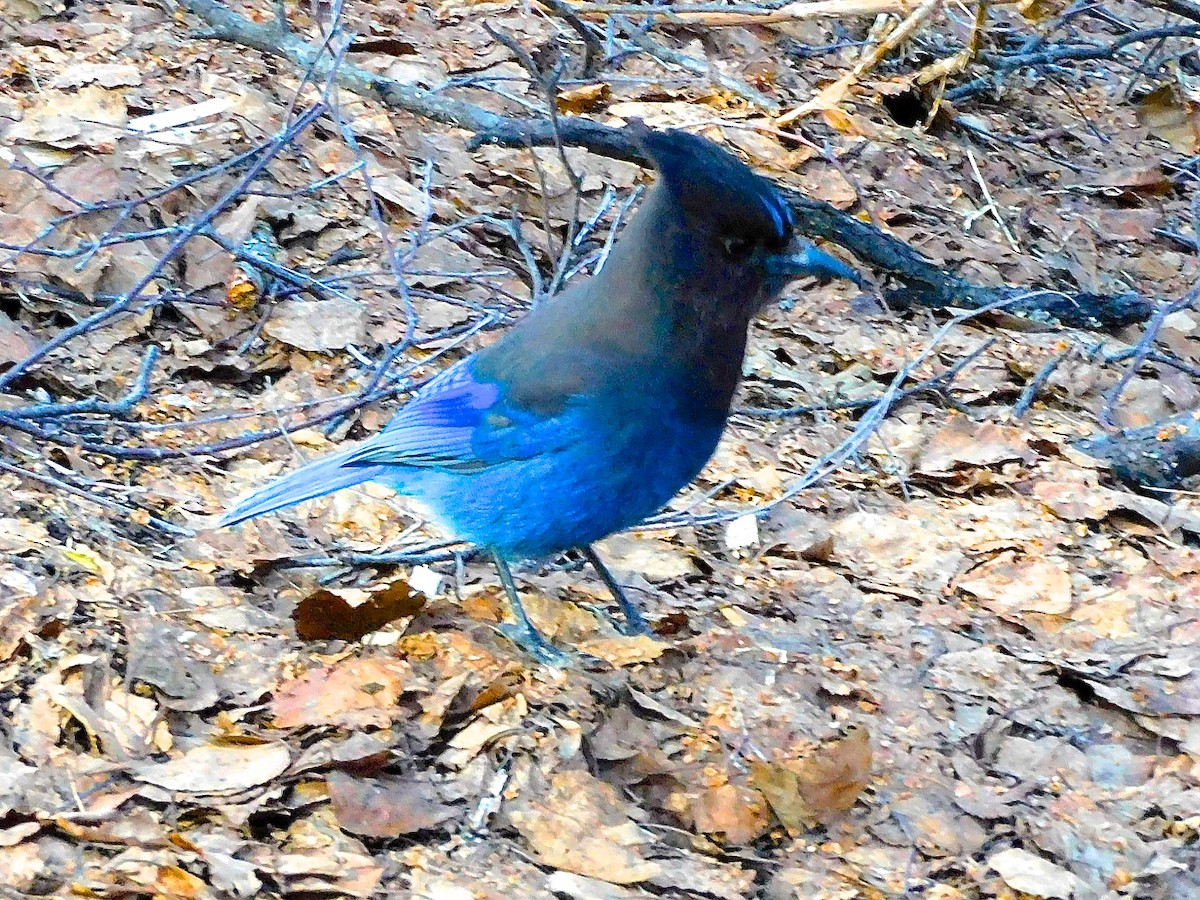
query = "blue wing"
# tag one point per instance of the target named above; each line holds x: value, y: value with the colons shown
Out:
x: 463, y: 424
x: 456, y: 423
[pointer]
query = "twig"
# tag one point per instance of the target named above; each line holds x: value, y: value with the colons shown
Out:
x: 832, y: 95
x: 1184, y: 8
x: 930, y: 285
x: 93, y: 497
x: 1005, y: 64
x: 726, y: 16
x: 1035, y: 386
x: 593, y: 48
x: 128, y: 301
x: 429, y: 552
x: 641, y: 39
x: 991, y: 204
x: 1159, y: 456
x: 1145, y: 346
x: 938, y: 383
x: 122, y: 407
x: 925, y: 283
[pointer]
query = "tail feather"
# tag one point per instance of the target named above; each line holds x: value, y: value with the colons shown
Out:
x: 313, y: 480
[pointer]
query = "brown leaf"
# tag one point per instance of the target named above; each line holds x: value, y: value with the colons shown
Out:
x: 832, y: 777
x: 356, y: 692
x: 317, y: 325
x: 1172, y: 116
x: 503, y: 686
x: 580, y: 887
x: 1032, y: 874
x: 1040, y: 10
x: 624, y: 651
x: 780, y: 786
x: 172, y: 881
x: 1015, y: 584
x: 905, y: 548
x: 88, y: 117
x: 963, y: 443
x: 133, y: 827
x: 20, y: 609
x: 385, y: 807
x: 1075, y: 500
x: 654, y: 558
x: 629, y: 747
x: 349, y: 614
x: 582, y: 826
x: 736, y: 813
x: 1153, y: 696
x: 584, y: 98
x: 104, y: 74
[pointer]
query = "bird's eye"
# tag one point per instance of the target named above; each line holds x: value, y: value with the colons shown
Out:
x: 779, y: 242
x: 737, y: 247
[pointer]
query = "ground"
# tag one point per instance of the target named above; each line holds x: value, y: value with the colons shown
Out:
x: 961, y: 664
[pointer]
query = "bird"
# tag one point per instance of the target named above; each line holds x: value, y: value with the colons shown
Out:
x: 605, y: 400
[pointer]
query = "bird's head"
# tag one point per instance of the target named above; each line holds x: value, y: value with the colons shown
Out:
x: 740, y: 230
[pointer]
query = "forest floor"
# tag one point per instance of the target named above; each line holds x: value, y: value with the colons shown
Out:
x: 966, y: 664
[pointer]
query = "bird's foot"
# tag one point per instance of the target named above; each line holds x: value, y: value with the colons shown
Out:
x: 635, y: 624
x: 537, y: 646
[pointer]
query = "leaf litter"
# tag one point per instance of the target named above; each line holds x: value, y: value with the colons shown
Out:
x: 963, y: 666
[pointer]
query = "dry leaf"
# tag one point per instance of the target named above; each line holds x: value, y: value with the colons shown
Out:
x: 584, y: 98
x: 650, y: 556
x: 355, y: 692
x: 580, y: 887
x: 318, y: 325
x: 107, y: 75
x: 386, y: 807
x: 349, y: 613
x: 1041, y: 10
x: 1075, y: 501
x: 90, y: 117
x: 1021, y: 584
x: 16, y: 342
x: 1172, y: 116
x: 1032, y: 874
x: 20, y: 609
x: 780, y: 785
x: 833, y: 776
x: 624, y: 651
x: 736, y: 814
x: 217, y: 768
x: 582, y: 826
x: 963, y: 443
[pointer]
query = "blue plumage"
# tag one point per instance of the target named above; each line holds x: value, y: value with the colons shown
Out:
x: 598, y: 407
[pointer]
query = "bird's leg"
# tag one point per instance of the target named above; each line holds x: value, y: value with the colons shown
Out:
x: 635, y: 622
x: 522, y: 632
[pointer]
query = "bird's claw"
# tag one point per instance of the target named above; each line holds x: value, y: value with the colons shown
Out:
x: 537, y: 646
x: 635, y: 625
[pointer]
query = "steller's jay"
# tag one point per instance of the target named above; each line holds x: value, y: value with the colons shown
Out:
x: 601, y: 404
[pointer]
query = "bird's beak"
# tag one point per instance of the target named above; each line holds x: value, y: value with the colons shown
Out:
x: 802, y: 258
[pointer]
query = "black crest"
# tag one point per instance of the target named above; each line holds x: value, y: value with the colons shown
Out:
x: 711, y: 184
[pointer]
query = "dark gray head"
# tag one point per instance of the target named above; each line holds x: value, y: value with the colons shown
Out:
x: 717, y: 190
x: 742, y: 228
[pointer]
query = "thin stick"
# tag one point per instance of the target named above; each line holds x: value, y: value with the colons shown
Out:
x: 991, y: 204
x: 829, y: 96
